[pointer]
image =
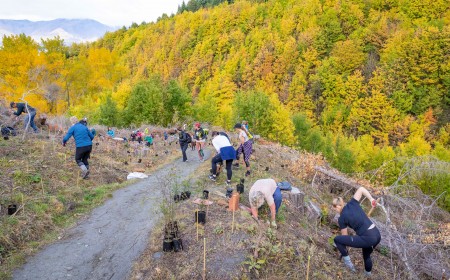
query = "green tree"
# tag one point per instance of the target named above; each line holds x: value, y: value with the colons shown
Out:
x: 108, y: 112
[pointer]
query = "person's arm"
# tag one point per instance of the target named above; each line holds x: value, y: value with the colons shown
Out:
x: 363, y: 191
x: 241, y: 139
x: 254, y: 213
x: 272, y: 211
x: 68, y: 135
x: 90, y: 134
x: 19, y: 110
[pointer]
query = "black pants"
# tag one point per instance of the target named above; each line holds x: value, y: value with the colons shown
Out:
x: 367, y: 241
x: 217, y: 159
x: 184, y: 147
x: 82, y: 154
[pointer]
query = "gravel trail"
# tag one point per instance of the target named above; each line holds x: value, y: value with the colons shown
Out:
x: 112, y: 237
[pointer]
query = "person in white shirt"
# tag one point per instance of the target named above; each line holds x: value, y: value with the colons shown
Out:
x: 225, y: 152
x: 265, y: 189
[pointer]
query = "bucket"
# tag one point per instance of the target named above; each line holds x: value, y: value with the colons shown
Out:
x: 177, y: 244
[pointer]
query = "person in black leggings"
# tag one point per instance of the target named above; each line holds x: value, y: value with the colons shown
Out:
x: 368, y: 236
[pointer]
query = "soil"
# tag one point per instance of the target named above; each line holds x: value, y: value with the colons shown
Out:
x: 105, y: 244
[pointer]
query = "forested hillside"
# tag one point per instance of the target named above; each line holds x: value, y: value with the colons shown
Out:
x: 366, y: 83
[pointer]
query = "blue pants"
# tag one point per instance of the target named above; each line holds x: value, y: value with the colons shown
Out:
x: 367, y: 241
x: 31, y: 117
x: 277, y: 198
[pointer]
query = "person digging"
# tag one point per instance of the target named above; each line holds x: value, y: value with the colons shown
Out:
x: 265, y: 189
x: 367, y: 234
x: 83, y: 142
x: 29, y: 111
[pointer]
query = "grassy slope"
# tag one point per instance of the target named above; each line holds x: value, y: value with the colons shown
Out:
x: 41, y: 177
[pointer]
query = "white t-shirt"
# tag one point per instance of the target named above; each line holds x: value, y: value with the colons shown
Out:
x: 220, y: 141
x: 243, y: 134
x: 267, y: 187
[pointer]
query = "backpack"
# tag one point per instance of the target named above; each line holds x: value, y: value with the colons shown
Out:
x: 188, y: 138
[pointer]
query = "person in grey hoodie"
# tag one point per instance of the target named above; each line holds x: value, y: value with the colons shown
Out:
x: 83, y: 142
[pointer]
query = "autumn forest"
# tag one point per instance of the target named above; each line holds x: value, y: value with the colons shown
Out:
x: 366, y: 83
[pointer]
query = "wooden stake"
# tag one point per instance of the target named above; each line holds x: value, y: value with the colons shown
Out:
x: 232, y: 224
x: 204, y: 258
x: 197, y: 225
x: 42, y: 186
x: 307, y: 268
x: 78, y: 178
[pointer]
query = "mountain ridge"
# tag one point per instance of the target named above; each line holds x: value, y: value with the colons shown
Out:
x: 71, y: 30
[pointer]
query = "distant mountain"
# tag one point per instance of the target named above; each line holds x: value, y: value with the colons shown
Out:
x: 71, y: 30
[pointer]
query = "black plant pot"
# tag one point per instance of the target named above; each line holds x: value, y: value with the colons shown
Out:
x: 176, y: 197
x: 12, y: 209
x: 229, y: 192
x: 185, y: 195
x: 201, y: 217
x: 205, y: 194
x: 167, y: 245
x: 240, y: 188
x: 177, y: 244
x: 267, y: 168
x: 139, y: 160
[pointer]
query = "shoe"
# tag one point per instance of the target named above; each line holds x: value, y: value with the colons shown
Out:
x: 368, y: 274
x: 85, y: 173
x: 228, y: 183
x: 185, y: 160
x: 348, y: 263
x: 236, y: 165
x: 247, y: 173
x: 212, y: 177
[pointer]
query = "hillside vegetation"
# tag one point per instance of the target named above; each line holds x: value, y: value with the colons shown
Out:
x: 365, y: 83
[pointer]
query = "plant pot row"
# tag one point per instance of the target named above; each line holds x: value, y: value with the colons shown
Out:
x: 183, y: 196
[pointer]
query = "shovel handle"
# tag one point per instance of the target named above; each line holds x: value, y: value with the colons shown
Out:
x: 371, y: 209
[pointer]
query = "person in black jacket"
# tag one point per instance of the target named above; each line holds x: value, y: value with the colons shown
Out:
x: 367, y: 234
x: 184, y: 141
x: 29, y: 111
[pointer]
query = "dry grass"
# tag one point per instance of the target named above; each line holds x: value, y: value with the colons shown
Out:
x: 42, y: 179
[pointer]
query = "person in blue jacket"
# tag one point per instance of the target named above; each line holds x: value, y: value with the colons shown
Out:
x: 111, y: 132
x: 367, y: 234
x: 83, y: 142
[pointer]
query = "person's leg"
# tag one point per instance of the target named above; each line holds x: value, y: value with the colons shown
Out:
x: 229, y: 169
x: 32, y: 124
x: 202, y: 145
x: 247, y: 150
x: 239, y: 151
x: 86, y: 155
x: 198, y: 147
x: 79, y: 154
x: 214, y: 161
x: 277, y: 198
x: 183, y: 151
x: 372, y: 236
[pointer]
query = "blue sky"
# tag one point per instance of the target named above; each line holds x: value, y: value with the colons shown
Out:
x: 110, y: 12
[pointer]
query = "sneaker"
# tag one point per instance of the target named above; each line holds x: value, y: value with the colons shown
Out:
x: 85, y: 173
x: 348, y: 263
x: 212, y: 177
x: 247, y: 173
x: 228, y: 183
x: 185, y: 160
x: 236, y: 164
x: 368, y: 274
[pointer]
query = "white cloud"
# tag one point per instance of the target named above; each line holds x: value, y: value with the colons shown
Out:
x: 110, y: 12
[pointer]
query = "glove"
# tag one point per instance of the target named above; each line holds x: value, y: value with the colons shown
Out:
x: 274, y: 224
x: 374, y: 203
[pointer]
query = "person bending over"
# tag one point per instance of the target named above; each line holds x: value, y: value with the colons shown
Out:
x: 367, y: 234
x: 30, y: 114
x: 83, y: 142
x: 225, y: 152
x: 265, y: 189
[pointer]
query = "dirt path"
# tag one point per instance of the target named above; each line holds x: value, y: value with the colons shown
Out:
x: 105, y: 245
